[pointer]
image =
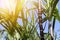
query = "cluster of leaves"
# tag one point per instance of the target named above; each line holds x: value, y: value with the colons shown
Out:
x: 50, y: 11
x: 9, y: 21
x: 28, y: 29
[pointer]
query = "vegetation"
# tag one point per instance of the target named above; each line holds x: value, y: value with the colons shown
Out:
x: 31, y: 20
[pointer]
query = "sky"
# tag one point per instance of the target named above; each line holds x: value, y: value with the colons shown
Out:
x: 57, y: 26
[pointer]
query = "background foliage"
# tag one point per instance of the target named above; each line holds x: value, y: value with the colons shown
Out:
x: 26, y: 13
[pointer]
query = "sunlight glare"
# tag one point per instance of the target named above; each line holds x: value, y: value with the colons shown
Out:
x: 11, y: 4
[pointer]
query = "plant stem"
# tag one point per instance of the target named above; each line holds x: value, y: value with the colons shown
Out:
x: 40, y: 21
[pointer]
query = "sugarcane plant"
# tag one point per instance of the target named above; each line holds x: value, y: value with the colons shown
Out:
x: 28, y: 29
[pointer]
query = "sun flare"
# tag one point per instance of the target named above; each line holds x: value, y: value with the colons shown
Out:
x: 13, y: 7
